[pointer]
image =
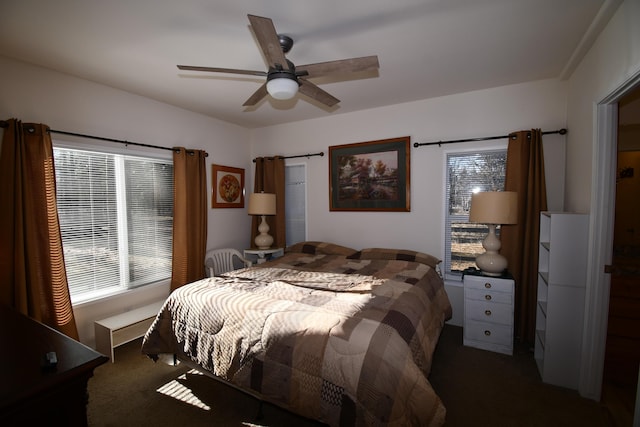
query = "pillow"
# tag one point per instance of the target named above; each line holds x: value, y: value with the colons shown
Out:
x: 399, y: 254
x: 325, y: 248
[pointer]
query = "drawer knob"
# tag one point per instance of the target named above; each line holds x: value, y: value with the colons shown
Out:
x: 487, y: 312
x: 487, y: 297
x: 487, y: 333
x: 487, y: 285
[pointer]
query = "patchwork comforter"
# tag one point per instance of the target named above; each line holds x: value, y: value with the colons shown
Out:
x: 344, y: 339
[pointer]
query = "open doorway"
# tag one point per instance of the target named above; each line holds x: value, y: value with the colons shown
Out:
x: 622, y: 354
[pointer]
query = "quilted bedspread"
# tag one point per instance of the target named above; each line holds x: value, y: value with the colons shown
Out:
x: 342, y: 340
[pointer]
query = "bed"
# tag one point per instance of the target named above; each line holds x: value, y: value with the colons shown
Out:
x: 342, y: 336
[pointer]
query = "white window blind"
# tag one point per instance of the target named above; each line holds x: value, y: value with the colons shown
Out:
x: 295, y: 203
x: 468, y: 173
x: 116, y: 218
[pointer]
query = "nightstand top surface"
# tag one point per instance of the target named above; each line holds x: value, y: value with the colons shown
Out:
x: 475, y: 272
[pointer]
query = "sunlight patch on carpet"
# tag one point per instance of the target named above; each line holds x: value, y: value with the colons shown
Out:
x: 178, y: 391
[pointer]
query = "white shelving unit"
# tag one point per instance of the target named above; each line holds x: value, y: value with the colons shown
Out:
x: 561, y: 292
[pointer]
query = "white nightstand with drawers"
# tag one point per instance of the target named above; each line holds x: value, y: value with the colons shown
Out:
x: 488, y: 312
x: 258, y: 256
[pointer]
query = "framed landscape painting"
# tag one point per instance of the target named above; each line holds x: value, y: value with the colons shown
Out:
x: 227, y: 187
x: 370, y: 176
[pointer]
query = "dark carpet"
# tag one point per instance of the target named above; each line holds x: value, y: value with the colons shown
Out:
x: 478, y: 388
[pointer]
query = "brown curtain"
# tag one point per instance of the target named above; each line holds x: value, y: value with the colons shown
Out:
x: 269, y: 178
x: 32, y: 272
x: 189, y: 216
x: 525, y: 174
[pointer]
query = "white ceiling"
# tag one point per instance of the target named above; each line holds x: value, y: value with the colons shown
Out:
x: 426, y: 48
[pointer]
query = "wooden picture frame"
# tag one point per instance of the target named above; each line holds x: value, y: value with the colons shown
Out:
x: 227, y: 187
x: 370, y: 176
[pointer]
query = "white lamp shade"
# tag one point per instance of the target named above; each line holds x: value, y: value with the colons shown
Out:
x: 282, y: 88
x: 494, y: 207
x: 262, y: 204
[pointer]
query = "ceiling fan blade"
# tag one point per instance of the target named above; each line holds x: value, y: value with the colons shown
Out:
x: 352, y: 65
x: 268, y: 39
x: 256, y: 97
x: 222, y: 70
x: 316, y: 93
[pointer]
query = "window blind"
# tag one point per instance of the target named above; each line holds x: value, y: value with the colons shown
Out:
x: 295, y: 203
x: 116, y: 216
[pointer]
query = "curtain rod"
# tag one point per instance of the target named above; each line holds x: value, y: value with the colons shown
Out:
x: 453, y: 141
x: 294, y: 157
x: 4, y: 124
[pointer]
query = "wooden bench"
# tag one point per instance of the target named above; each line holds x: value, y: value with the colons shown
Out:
x: 124, y: 327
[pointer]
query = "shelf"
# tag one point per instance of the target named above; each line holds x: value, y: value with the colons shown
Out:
x: 545, y: 276
x: 543, y: 307
x: 538, y: 353
x: 539, y: 362
x: 540, y: 336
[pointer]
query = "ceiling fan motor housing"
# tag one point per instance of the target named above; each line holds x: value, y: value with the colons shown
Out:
x: 286, y: 42
x: 280, y: 73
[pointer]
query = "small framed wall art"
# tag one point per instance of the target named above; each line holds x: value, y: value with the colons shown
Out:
x: 227, y: 187
x: 370, y: 176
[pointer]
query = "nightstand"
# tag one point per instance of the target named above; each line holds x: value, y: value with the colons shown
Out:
x: 488, y: 312
x: 261, y: 255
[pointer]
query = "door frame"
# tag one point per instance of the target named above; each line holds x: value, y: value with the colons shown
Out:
x: 601, y: 223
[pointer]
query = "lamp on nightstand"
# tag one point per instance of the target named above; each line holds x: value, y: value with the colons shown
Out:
x: 493, y: 208
x: 262, y: 204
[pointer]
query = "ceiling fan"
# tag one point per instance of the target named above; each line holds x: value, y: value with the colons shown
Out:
x: 284, y: 79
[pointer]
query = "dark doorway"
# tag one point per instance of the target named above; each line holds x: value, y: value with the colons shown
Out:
x: 622, y: 355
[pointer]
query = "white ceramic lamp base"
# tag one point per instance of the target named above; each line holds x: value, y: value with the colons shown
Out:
x: 491, y: 262
x: 263, y: 240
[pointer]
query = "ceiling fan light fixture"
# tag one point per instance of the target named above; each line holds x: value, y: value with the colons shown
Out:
x: 282, y: 88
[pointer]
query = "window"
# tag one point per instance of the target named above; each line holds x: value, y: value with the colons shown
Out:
x: 468, y: 173
x: 116, y: 220
x: 295, y: 201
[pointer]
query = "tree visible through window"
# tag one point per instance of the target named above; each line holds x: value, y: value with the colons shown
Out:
x: 468, y: 173
x: 116, y: 220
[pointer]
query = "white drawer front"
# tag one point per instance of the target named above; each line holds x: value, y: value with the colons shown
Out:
x: 489, y: 333
x: 488, y: 283
x: 489, y: 312
x: 489, y: 296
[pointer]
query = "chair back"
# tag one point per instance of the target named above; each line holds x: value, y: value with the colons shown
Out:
x: 220, y: 261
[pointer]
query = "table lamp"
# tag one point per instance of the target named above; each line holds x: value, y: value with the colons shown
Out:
x: 262, y: 204
x: 493, y: 208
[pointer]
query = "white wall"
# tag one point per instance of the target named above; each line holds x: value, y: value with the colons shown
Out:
x: 613, y: 59
x: 475, y: 114
x: 63, y: 102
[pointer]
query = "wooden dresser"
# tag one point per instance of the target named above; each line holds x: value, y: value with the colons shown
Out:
x: 32, y: 393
